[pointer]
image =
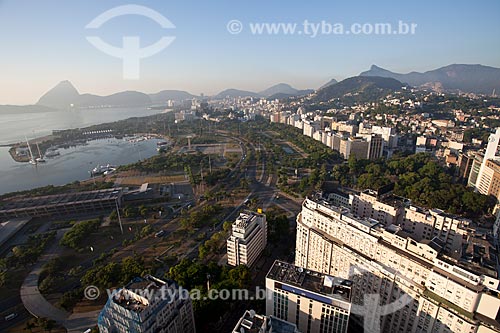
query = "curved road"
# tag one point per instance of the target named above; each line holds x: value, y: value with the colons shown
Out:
x: 38, y: 306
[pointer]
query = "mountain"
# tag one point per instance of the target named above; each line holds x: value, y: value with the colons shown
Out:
x: 457, y: 77
x: 61, y: 96
x: 163, y: 96
x: 124, y: 98
x: 64, y: 95
x: 235, y: 93
x: 329, y: 83
x: 358, y: 89
x: 280, y: 88
x: 283, y: 90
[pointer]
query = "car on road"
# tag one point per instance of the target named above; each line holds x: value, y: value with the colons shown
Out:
x: 10, y: 316
x: 160, y: 233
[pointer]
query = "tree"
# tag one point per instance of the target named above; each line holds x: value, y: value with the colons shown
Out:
x: 4, y: 278
x: 227, y: 226
x: 143, y: 210
x: 46, y: 324
x: 30, y: 325
x: 113, y: 216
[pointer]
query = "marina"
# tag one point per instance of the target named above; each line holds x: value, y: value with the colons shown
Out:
x: 66, y: 165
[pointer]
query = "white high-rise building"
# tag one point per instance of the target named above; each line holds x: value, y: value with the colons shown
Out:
x: 447, y: 286
x: 485, y: 174
x: 147, y: 305
x: 314, y: 302
x: 248, y: 239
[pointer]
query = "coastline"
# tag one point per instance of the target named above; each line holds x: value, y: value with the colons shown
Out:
x: 41, y: 141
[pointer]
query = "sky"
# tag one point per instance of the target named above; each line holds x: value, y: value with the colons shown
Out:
x: 43, y: 42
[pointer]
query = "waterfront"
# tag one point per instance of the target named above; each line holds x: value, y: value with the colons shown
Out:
x: 15, y: 126
x: 72, y: 164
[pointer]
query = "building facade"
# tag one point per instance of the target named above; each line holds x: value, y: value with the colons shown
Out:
x: 312, y: 301
x: 444, y: 288
x: 248, y: 239
x: 147, y: 305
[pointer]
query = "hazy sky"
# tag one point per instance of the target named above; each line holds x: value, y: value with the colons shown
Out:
x: 43, y: 42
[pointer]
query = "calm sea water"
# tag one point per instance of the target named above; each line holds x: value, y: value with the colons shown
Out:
x: 14, y: 127
x: 74, y: 163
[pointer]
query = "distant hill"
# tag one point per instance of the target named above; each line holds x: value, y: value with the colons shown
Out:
x: 235, y: 93
x: 458, y: 77
x: 278, y: 91
x: 64, y: 96
x: 283, y: 90
x: 61, y: 96
x: 124, y: 98
x: 163, y: 96
x: 329, y: 83
x: 359, y: 89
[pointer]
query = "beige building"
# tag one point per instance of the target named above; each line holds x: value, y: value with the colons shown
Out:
x: 312, y: 301
x: 424, y: 224
x: 380, y: 205
x: 445, y: 288
x: 248, y: 239
x: 357, y: 147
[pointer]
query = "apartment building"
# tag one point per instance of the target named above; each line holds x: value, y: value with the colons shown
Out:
x: 445, y: 288
x: 314, y: 302
x: 248, y: 239
x: 355, y: 146
x: 375, y: 146
x: 381, y: 205
x: 424, y: 224
x: 475, y: 167
x: 251, y: 322
x: 147, y: 305
x: 487, y: 170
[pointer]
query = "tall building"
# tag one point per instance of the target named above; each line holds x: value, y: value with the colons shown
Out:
x: 147, y: 305
x: 489, y: 184
x: 485, y: 174
x: 422, y: 224
x: 375, y: 146
x: 381, y: 205
x: 314, y: 302
x: 446, y: 291
x: 355, y: 146
x: 464, y: 165
x: 251, y: 322
x: 248, y: 239
x: 475, y: 167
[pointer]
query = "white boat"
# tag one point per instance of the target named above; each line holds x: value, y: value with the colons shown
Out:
x: 101, y: 169
x: 51, y: 152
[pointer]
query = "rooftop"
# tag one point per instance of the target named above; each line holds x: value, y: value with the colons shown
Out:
x: 135, y: 295
x: 255, y: 323
x: 61, y: 199
x: 324, y: 284
x: 246, y: 218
